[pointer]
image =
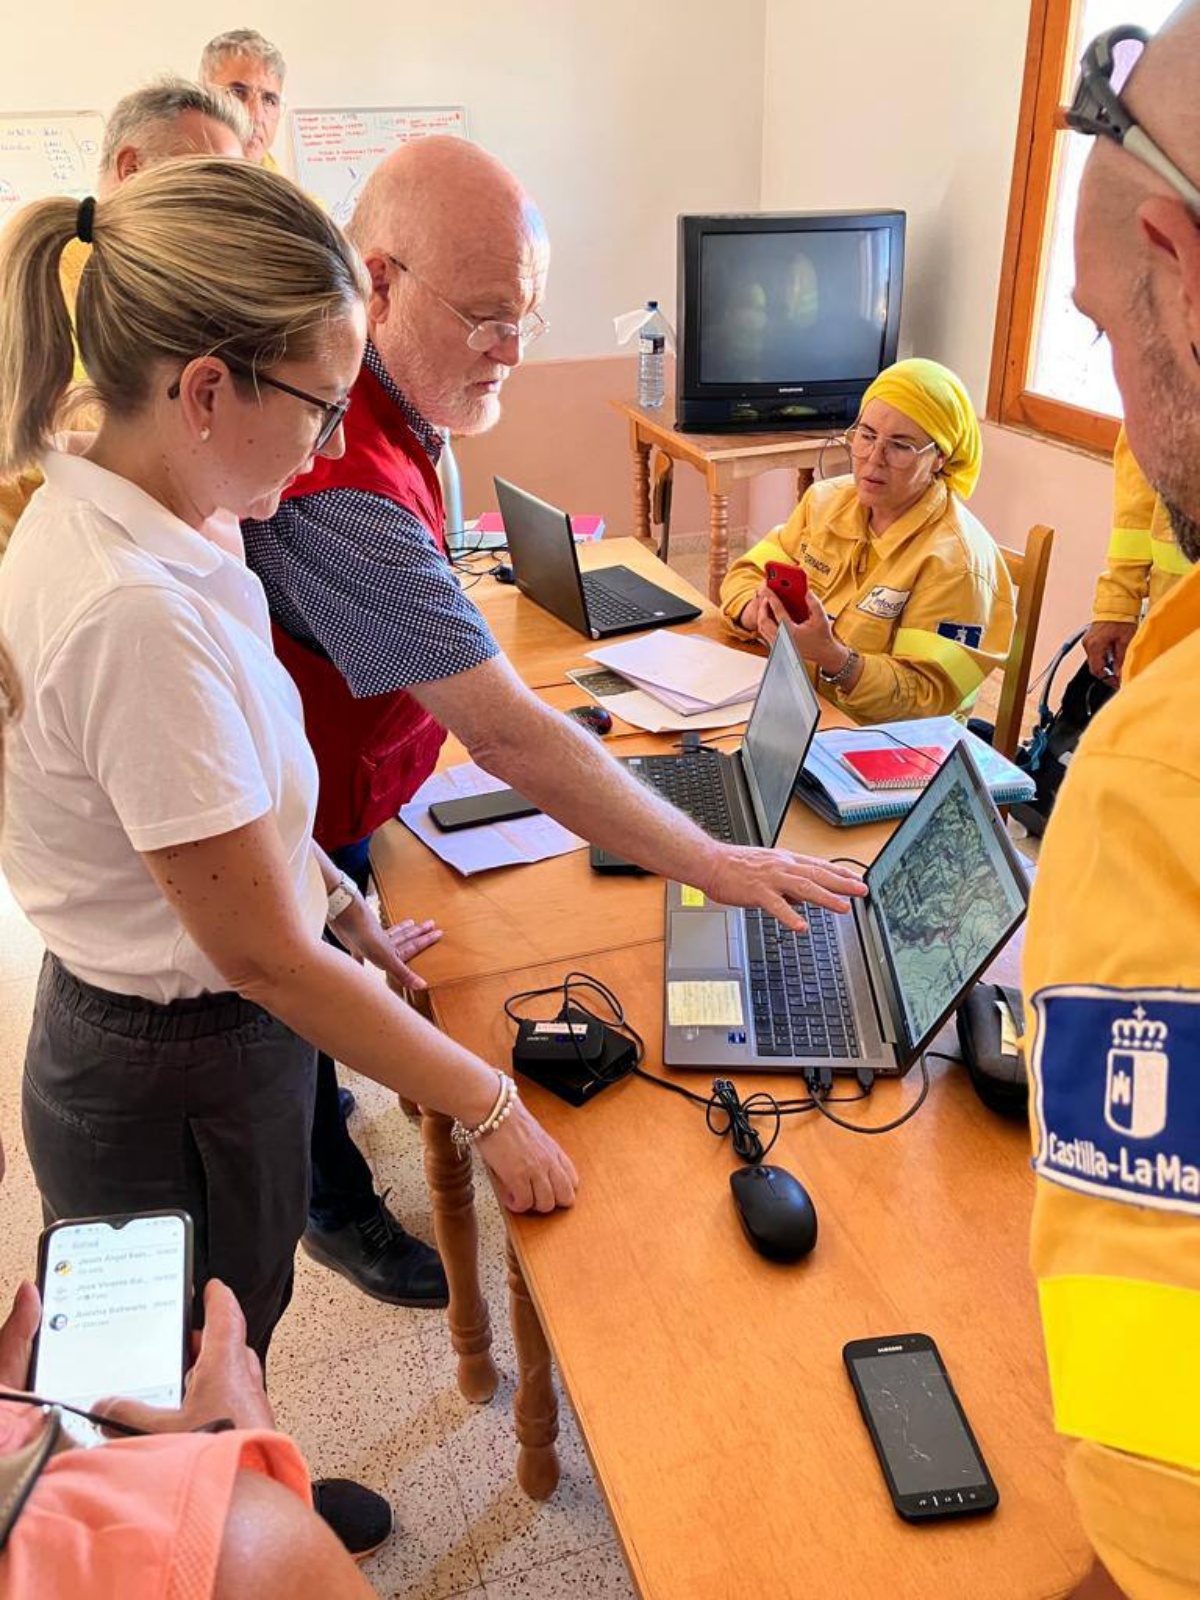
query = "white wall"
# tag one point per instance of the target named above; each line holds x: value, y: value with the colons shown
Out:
x: 912, y: 105
x: 616, y: 115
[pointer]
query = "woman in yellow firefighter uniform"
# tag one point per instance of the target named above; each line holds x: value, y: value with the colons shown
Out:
x: 910, y: 603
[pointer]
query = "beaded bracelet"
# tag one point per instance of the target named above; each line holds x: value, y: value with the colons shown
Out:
x: 506, y: 1099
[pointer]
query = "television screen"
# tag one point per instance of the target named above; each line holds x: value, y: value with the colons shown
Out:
x: 775, y: 307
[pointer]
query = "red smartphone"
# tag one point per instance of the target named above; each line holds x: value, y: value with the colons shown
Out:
x: 790, y: 586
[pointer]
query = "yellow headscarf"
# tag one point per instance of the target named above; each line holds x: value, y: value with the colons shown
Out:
x: 935, y: 399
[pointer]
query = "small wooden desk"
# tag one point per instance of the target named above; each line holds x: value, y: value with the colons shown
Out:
x: 723, y: 458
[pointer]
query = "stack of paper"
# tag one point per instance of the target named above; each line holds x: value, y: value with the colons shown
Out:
x: 641, y: 710
x: 495, y: 844
x: 691, y: 676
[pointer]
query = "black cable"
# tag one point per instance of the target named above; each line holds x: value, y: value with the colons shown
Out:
x: 724, y: 1100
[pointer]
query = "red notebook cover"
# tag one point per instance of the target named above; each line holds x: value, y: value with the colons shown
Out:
x: 891, y: 767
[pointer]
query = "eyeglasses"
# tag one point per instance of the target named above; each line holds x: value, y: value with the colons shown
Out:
x: 1099, y: 110
x: 861, y: 441
x: 335, y: 410
x: 485, y: 335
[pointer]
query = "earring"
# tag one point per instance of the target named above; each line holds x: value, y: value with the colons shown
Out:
x: 205, y: 435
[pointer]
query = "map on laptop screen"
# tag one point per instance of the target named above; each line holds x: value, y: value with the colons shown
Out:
x: 946, y: 896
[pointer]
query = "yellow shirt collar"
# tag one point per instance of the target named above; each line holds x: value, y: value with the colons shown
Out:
x: 849, y: 521
x: 1170, y: 620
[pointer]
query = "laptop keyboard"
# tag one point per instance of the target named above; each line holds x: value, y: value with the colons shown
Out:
x: 798, y: 989
x: 609, y: 609
x: 693, y: 784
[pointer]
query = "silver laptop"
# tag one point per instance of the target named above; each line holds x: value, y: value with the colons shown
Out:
x: 870, y: 989
x: 598, y: 604
x: 740, y: 797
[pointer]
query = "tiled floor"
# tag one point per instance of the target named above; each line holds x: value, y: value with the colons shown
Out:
x: 368, y: 1390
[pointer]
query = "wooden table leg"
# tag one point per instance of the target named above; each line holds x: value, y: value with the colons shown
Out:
x: 535, y: 1404
x: 457, y: 1232
x: 718, y: 543
x: 641, y: 489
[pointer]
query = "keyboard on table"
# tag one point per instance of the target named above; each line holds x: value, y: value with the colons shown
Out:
x: 693, y: 785
x: 607, y: 608
x: 798, y: 990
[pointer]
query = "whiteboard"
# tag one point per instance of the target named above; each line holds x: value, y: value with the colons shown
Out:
x: 336, y: 151
x: 47, y: 153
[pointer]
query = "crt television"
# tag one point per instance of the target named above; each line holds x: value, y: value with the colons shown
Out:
x: 784, y: 317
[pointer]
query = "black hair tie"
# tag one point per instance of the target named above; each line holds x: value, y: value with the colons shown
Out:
x: 85, y: 217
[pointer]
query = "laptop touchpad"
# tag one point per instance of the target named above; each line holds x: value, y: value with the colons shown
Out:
x: 698, y: 940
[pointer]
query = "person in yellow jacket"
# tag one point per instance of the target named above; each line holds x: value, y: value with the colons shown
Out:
x: 910, y: 603
x: 168, y: 118
x: 1144, y: 562
x: 1112, y: 951
x: 251, y: 69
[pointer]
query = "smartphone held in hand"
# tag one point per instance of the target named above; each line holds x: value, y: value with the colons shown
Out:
x: 790, y: 587
x: 116, y: 1311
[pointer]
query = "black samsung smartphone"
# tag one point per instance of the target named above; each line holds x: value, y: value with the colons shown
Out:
x: 932, y: 1464
x: 116, y: 1311
x: 501, y: 805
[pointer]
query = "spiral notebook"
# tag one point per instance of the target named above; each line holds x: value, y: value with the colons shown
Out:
x: 838, y: 795
x: 891, y: 766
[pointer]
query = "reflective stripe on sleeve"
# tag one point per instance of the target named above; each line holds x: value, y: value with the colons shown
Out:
x: 1166, y: 556
x: 1129, y: 544
x: 1122, y: 1354
x: 955, y: 661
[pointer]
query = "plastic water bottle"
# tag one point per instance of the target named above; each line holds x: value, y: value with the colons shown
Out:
x: 652, y: 359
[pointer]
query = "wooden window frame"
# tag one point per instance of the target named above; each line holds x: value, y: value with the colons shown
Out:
x: 1010, y: 401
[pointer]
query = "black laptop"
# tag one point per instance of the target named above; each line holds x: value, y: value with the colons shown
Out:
x: 546, y: 567
x: 740, y: 797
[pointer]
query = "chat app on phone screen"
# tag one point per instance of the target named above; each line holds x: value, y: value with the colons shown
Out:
x: 112, y: 1312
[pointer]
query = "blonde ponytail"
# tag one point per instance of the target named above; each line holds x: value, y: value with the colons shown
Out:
x: 195, y: 256
x: 37, y: 354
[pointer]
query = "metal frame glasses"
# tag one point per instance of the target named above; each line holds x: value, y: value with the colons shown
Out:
x: 1098, y: 109
x: 486, y: 335
x: 896, y: 452
x: 335, y: 410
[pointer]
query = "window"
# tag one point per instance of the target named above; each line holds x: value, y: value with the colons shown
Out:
x: 1049, y: 371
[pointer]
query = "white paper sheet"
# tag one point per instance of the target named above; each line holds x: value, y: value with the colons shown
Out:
x: 689, y: 669
x: 495, y: 844
x: 642, y: 710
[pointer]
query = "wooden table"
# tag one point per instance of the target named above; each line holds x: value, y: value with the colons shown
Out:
x: 723, y: 458
x: 707, y: 1381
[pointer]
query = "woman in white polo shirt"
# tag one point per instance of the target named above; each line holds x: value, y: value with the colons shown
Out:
x: 160, y: 792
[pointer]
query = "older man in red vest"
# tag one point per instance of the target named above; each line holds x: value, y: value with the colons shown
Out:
x: 387, y: 649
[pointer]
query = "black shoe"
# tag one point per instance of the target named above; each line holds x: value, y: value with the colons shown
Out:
x: 361, y: 1518
x: 346, y: 1102
x: 383, y: 1260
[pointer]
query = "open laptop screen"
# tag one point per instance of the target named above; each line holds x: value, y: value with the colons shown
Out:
x: 947, y: 890
x: 781, y: 726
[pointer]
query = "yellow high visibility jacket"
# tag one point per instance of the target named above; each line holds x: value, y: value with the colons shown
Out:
x: 16, y: 492
x: 1112, y: 984
x: 1144, y: 562
x: 928, y: 605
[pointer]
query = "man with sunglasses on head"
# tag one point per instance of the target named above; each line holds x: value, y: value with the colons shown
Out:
x: 389, y: 652
x: 1112, y: 952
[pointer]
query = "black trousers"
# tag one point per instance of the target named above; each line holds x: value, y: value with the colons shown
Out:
x: 204, y: 1104
x: 343, y: 1189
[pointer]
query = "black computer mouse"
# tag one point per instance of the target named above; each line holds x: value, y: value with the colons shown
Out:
x: 779, y: 1217
x: 594, y: 718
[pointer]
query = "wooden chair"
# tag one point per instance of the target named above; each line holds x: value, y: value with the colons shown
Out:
x: 1027, y: 569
